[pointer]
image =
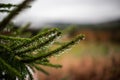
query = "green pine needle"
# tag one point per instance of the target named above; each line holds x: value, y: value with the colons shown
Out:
x: 10, y: 68
x: 56, y: 51
x: 49, y: 64
x: 40, y: 69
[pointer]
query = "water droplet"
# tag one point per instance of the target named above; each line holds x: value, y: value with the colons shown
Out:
x: 46, y: 38
x: 49, y: 35
x: 3, y: 73
x: 52, y: 34
x: 83, y: 38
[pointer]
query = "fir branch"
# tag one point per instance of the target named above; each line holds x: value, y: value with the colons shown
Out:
x: 10, y: 68
x: 5, y: 48
x: 49, y: 64
x: 14, y: 12
x: 44, y: 33
x: 56, y: 51
x: 3, y: 37
x: 9, y: 5
x: 4, y: 10
x: 40, y: 35
x: 32, y: 48
x: 40, y: 69
x: 45, y: 60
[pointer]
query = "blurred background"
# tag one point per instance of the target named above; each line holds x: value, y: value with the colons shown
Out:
x: 95, y: 58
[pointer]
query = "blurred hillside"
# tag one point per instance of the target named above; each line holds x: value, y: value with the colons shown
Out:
x: 103, y: 32
x: 108, y: 31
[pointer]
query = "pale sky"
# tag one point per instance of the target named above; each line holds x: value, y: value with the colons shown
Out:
x: 69, y: 11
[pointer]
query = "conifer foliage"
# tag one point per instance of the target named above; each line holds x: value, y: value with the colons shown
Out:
x: 20, y: 55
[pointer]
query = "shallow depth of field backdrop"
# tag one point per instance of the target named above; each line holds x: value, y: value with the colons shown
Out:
x: 95, y: 58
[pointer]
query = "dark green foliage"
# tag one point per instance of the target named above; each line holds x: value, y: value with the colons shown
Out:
x: 6, y: 7
x: 20, y: 54
x: 14, y: 12
x: 2, y: 5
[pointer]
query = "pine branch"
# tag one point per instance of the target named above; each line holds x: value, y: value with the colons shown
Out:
x: 32, y: 48
x: 40, y: 69
x: 3, y: 37
x: 14, y: 12
x: 4, y: 10
x: 37, y: 37
x: 49, y: 64
x: 9, y: 5
x: 10, y: 68
x: 2, y: 5
x: 5, y: 48
x: 56, y: 51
